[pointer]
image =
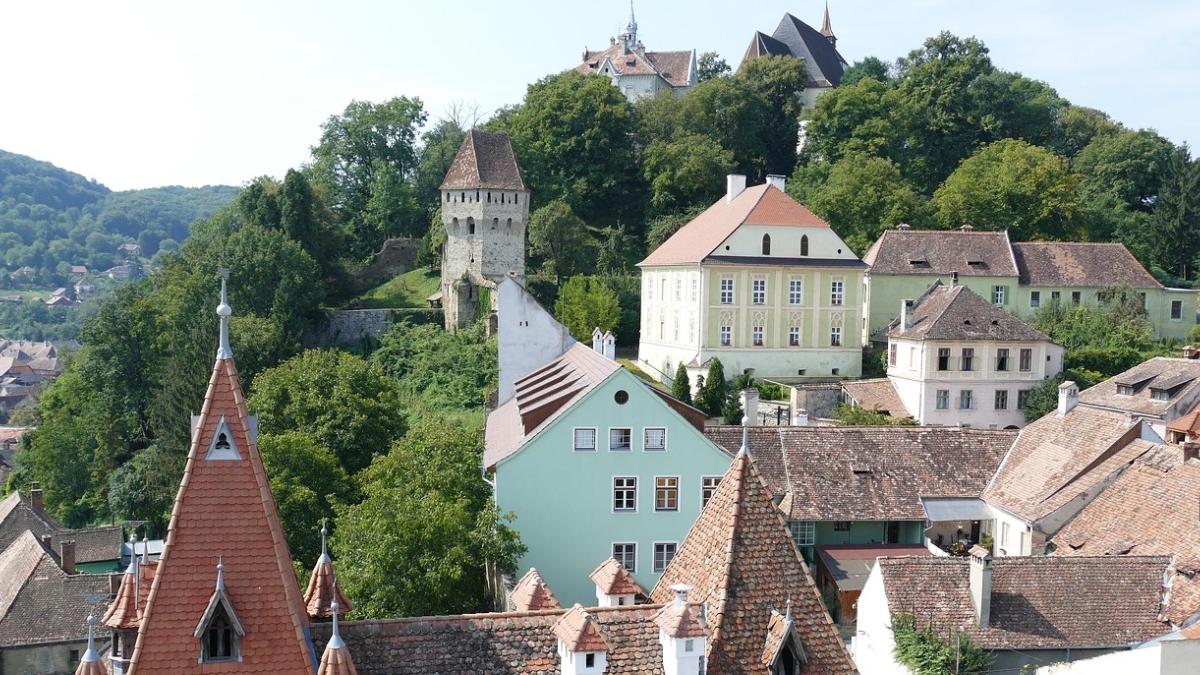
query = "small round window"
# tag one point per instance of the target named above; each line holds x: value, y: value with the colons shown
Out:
x: 621, y: 397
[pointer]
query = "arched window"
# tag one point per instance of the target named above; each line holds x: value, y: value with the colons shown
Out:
x: 495, y: 223
x: 766, y: 244
x: 470, y: 226
x: 804, y: 244
x: 454, y: 224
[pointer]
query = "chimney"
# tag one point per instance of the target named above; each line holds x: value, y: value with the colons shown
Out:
x: 1191, y: 450
x: 597, y: 340
x: 906, y: 314
x: 682, y: 633
x: 35, y: 496
x: 1068, y: 396
x: 47, y: 542
x: 981, y: 584
x: 750, y: 404
x: 66, y: 556
x: 953, y: 278
x: 582, y: 648
x: 966, y: 227
x: 735, y: 183
x: 800, y: 419
x: 609, y: 342
x: 778, y: 180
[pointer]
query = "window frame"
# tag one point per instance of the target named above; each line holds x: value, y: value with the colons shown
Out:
x: 799, y: 527
x: 1002, y: 359
x: 835, y: 336
x: 941, y: 400
x: 706, y: 490
x: 943, y: 359
x: 632, y: 553
x: 999, y: 295
x: 654, y: 560
x: 837, y: 292
x: 966, y: 362
x: 646, y: 445
x: 1025, y: 360
x: 629, y: 444
x: 758, y: 336
x: 968, y: 396
x: 1035, y: 299
x: 669, y: 492
x: 892, y: 349
x: 575, y: 439
x: 1000, y: 400
x: 625, y: 498
x: 1023, y: 398
x: 725, y: 336
x: 758, y: 291
x: 726, y: 290
x: 794, y: 336
x: 1177, y: 305
x: 796, y: 291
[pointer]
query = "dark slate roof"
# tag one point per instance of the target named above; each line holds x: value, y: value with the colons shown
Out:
x: 869, y: 473
x: 484, y: 161
x: 1063, y: 263
x: 968, y: 252
x: 1037, y: 602
x: 796, y: 38
x: 93, y: 544
x: 958, y: 313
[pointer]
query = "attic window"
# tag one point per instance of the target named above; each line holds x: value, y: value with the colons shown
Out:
x: 222, y: 442
x: 1130, y: 387
x: 919, y: 260
x: 220, y: 639
x: 975, y: 263
x: 861, y: 470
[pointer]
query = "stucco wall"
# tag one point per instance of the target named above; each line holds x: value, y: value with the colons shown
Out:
x: 529, y: 337
x: 55, y: 659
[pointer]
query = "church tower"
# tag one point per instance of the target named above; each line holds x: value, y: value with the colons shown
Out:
x: 485, y: 208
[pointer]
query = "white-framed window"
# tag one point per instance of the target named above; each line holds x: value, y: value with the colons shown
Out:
x: 999, y: 295
x: 626, y: 554
x: 837, y: 292
x: 620, y: 439
x: 678, y: 289
x: 726, y: 290
x: 804, y: 532
x: 695, y: 291
x: 965, y: 399
x: 1001, y: 399
x: 968, y: 358
x: 708, y: 487
x: 892, y: 350
x: 654, y: 438
x: 625, y: 494
x: 1004, y: 538
x: 795, y: 291
x: 1023, y: 398
x: 794, y: 336
x: 1002, y: 359
x: 726, y: 336
x: 756, y: 336
x: 1056, y: 297
x: 1177, y: 310
x: 943, y: 399
x: 943, y: 358
x: 666, y: 493
x: 758, y: 291
x: 663, y: 552
x: 835, y: 336
x: 585, y: 440
x: 1035, y: 299
x: 1026, y: 360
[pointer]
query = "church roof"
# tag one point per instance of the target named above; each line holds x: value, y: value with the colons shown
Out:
x: 485, y: 161
x: 795, y: 38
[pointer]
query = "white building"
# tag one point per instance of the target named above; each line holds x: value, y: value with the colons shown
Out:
x: 636, y: 72
x: 528, y: 336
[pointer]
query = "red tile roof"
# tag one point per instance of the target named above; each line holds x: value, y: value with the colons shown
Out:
x: 674, y: 67
x: 579, y: 632
x: 1080, y: 264
x: 940, y: 252
x: 612, y: 578
x: 484, y: 160
x: 678, y: 620
x: 224, y: 510
x: 532, y: 593
x: 323, y: 589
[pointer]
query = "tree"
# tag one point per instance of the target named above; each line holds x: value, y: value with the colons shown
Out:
x: 860, y: 417
x: 1043, y: 398
x: 925, y: 652
x: 1119, y: 323
x: 144, y: 487
x: 681, y: 386
x: 685, y: 172
x: 856, y: 118
x: 863, y: 196
x: 1175, y: 225
x: 308, y: 482
x: 731, y: 112
x: 779, y: 81
x: 710, y: 65
x: 1130, y: 165
x: 715, y: 390
x: 585, y: 303
x: 871, y: 67
x: 440, y: 146
x: 1012, y: 185
x: 1078, y: 126
x: 436, y: 370
x: 619, y: 252
x: 561, y: 239
x: 347, y: 404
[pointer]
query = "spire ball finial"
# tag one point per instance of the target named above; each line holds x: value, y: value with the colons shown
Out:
x: 335, y: 639
x: 325, y: 559
x: 745, y: 434
x: 91, y: 656
x: 220, y: 573
x: 224, y: 311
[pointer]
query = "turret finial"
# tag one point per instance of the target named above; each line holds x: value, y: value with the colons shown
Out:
x: 145, y: 549
x: 335, y: 640
x: 324, y: 544
x: 221, y: 573
x: 223, y: 311
x: 745, y: 435
x: 91, y: 656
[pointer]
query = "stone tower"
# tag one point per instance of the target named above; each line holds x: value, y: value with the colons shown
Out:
x: 485, y: 207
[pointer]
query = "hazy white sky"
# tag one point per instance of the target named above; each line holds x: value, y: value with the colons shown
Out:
x: 145, y: 93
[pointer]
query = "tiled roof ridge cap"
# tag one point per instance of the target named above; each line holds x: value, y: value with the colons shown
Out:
x: 1035, y: 559
x: 501, y: 616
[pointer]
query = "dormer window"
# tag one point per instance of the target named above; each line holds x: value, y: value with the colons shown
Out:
x: 222, y: 442
x: 220, y: 640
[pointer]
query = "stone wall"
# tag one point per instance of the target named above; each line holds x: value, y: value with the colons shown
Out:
x: 347, y: 327
x: 395, y: 258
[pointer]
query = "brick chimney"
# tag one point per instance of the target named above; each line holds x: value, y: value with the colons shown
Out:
x: 35, y: 496
x: 981, y: 584
x: 66, y: 556
x: 735, y: 184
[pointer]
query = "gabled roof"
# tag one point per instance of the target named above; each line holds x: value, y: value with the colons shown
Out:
x: 579, y: 632
x: 971, y: 253
x: 17, y: 516
x: 1080, y: 264
x: 1188, y: 423
x: 673, y: 67
x: 532, y: 594
x: 878, y: 394
x: 612, y: 578
x: 740, y: 560
x: 759, y: 205
x: 822, y: 60
x: 1037, y: 602
x: 958, y: 313
x: 1177, y: 379
x: 484, y: 161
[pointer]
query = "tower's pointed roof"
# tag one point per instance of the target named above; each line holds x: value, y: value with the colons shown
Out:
x: 91, y: 663
x: 336, y: 659
x: 826, y: 29
x: 123, y: 612
x: 323, y: 592
x: 740, y: 560
x: 485, y: 160
x: 224, y: 510
x: 532, y: 593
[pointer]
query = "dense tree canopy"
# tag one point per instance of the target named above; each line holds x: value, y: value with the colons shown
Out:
x: 586, y: 303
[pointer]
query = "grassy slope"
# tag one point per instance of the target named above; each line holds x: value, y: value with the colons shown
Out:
x: 407, y: 290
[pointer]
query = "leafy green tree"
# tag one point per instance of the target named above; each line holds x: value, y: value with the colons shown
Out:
x: 661, y: 228
x: 856, y: 118
x: 779, y: 81
x: 619, y: 252
x: 1043, y: 398
x: 681, y: 385
x: 435, y: 369
x: 1077, y: 126
x: 715, y: 390
x: 439, y: 146
x: 585, y: 303
x: 1012, y: 185
x: 685, y: 172
x: 1175, y: 226
x: 871, y: 67
x: 925, y: 652
x: 710, y: 65
x: 863, y: 196
x: 1120, y: 323
x: 347, y: 404
x: 1128, y: 164
x: 561, y: 240
x: 734, y: 114
x: 308, y: 483
x: 144, y: 487
x: 854, y: 416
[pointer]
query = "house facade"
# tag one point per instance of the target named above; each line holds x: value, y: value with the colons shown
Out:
x: 586, y: 446
x: 636, y: 72
x: 759, y: 282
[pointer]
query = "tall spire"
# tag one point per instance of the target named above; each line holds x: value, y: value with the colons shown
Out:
x: 324, y: 544
x: 324, y: 597
x: 90, y: 664
x: 629, y: 37
x: 223, y: 311
x: 826, y: 28
x: 336, y: 660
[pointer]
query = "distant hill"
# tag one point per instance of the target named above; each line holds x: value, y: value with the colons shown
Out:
x: 52, y: 219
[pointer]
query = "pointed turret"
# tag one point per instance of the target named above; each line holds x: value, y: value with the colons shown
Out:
x: 532, y: 594
x: 91, y: 664
x: 224, y: 511
x: 324, y: 594
x: 336, y: 660
x: 827, y: 29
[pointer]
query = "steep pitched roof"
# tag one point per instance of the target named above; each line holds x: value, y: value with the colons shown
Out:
x: 958, y: 313
x: 869, y: 473
x: 532, y: 594
x: 580, y: 632
x: 822, y: 60
x: 485, y: 160
x: 224, y: 510
x: 1037, y: 602
x: 323, y: 590
x: 17, y: 515
x: 971, y: 253
x: 1087, y: 264
x: 1178, y: 380
x: 740, y: 560
x: 759, y: 205
x: 39, y: 602
x: 612, y: 578
x: 673, y: 67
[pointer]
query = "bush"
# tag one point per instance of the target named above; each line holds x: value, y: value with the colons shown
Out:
x: 1106, y: 360
x: 854, y: 416
x: 1044, y: 398
x: 924, y: 652
x: 585, y: 303
x: 681, y: 386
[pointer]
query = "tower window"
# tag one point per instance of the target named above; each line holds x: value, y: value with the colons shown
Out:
x: 495, y: 223
x: 220, y: 640
x: 804, y: 244
x: 510, y: 223
x: 766, y: 244
x: 462, y: 197
x: 489, y: 197
x: 222, y: 441
x: 454, y: 223
x: 470, y: 226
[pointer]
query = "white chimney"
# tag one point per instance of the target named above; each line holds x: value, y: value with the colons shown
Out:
x: 735, y: 183
x: 582, y: 649
x: 953, y: 278
x: 800, y: 419
x: 750, y: 404
x: 981, y: 584
x: 610, y: 346
x: 1068, y: 396
x: 597, y: 340
x: 776, y: 180
x: 906, y: 314
x: 683, y: 635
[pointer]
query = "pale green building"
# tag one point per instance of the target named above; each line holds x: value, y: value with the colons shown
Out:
x: 596, y: 463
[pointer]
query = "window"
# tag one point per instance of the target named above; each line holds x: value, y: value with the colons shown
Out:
x: 663, y: 552
x: 835, y: 336
x: 841, y: 526
x: 1076, y: 296
x: 756, y: 336
x: 892, y: 355
x: 1002, y: 359
x: 1176, y: 310
x: 964, y: 399
x: 1026, y: 362
x: 794, y: 336
x: 678, y: 289
x: 804, y: 532
x: 589, y: 660
x: 968, y: 358
x: 727, y: 291
x: 621, y: 397
x: 625, y: 493
x: 758, y: 292
x: 999, y: 295
x: 585, y: 440
x: 943, y: 399
x: 1035, y: 299
x: 726, y: 336
x: 626, y: 554
x: 220, y: 638
x: 695, y: 290
x: 666, y: 493
x: 804, y: 245
x: 837, y: 292
x: 620, y: 439
x: 1055, y: 296
x: 708, y: 486
x: 1023, y: 398
x: 795, y: 291
x: 943, y: 362
x: 1001, y: 399
x: 470, y: 226
x: 766, y: 244
x: 1003, y: 537
x: 654, y: 438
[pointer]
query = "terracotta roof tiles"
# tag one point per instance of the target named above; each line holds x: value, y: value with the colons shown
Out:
x: 958, y: 313
x: 674, y: 67
x: 612, y: 578
x: 1080, y: 264
x: 940, y: 252
x: 484, y: 160
x: 878, y: 394
x: 532, y: 594
x: 579, y: 632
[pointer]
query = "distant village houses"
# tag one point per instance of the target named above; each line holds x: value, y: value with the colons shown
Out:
x: 637, y: 72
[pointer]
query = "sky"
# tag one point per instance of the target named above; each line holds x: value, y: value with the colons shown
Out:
x: 142, y: 93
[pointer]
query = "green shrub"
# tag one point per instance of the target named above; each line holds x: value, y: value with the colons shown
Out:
x: 858, y: 417
x: 925, y: 652
x: 1106, y: 360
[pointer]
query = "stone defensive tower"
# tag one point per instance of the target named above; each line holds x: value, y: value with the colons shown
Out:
x: 485, y: 208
